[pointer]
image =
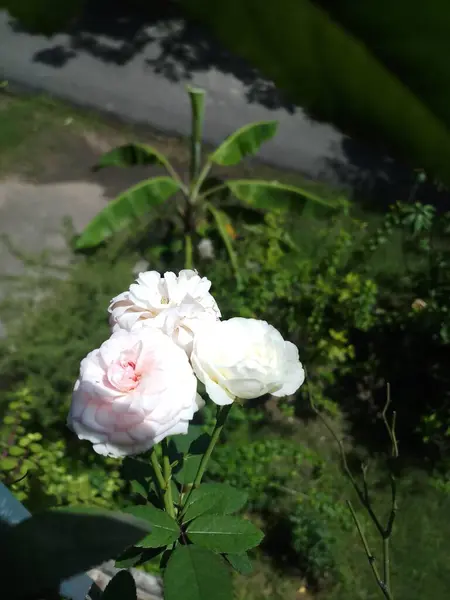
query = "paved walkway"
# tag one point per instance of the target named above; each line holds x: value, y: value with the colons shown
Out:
x: 137, y: 68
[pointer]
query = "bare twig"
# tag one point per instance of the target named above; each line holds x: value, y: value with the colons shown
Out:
x: 369, y: 554
x: 363, y: 495
x: 360, y: 493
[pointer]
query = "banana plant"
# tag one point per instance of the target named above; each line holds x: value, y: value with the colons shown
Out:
x: 203, y: 199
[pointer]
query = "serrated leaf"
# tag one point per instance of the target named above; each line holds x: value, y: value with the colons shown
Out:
x: 223, y: 225
x: 126, y: 209
x: 128, y: 558
x: 240, y: 563
x: 214, y: 498
x: 200, y: 444
x: 121, y: 587
x: 187, y: 450
x: 243, y: 142
x: 223, y: 533
x: 183, y: 442
x: 140, y: 474
x: 139, y: 489
x: 194, y: 573
x: 137, y: 556
x: 188, y: 470
x: 164, y: 529
x: 58, y: 544
x: 272, y: 195
x: 131, y: 155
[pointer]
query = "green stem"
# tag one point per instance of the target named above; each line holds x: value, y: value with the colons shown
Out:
x: 157, y: 468
x: 222, y: 414
x: 386, y: 565
x: 197, y: 184
x: 370, y: 557
x: 188, y: 262
x: 172, y: 172
x: 168, y: 500
x: 197, y: 97
x: 214, y: 190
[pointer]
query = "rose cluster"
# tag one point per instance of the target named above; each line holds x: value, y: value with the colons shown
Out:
x: 140, y: 386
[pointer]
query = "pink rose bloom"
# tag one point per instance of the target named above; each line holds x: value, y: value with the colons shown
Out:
x: 178, y: 305
x: 132, y: 392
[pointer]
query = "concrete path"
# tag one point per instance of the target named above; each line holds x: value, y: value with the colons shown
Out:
x: 138, y: 68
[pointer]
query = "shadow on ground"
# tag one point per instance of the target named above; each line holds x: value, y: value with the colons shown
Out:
x: 376, y: 180
x: 116, y: 32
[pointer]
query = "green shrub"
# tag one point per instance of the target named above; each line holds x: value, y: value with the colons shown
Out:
x: 288, y: 484
x: 39, y: 469
x: 263, y: 468
x: 58, y: 324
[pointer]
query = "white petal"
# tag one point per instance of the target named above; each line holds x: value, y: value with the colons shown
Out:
x: 217, y: 394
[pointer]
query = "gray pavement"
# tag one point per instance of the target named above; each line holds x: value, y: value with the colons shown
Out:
x: 137, y: 69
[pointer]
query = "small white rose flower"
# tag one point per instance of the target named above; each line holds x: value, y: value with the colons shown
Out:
x: 132, y: 392
x: 178, y: 305
x: 245, y: 358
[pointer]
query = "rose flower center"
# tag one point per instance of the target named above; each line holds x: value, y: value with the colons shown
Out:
x: 122, y: 374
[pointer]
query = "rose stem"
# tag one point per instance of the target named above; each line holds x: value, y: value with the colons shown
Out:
x: 168, y: 501
x: 222, y: 414
x: 157, y: 468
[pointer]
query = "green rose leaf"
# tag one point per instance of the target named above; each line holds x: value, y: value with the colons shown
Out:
x: 137, y: 556
x: 223, y: 533
x: 214, y: 498
x: 121, y: 587
x: 182, y: 443
x: 188, y: 470
x: 194, y: 573
x: 187, y: 451
x: 140, y: 474
x: 128, y: 558
x: 243, y: 142
x: 272, y: 195
x: 240, y: 563
x: 127, y: 209
x: 164, y: 529
x: 139, y: 488
x: 133, y: 557
x: 58, y: 544
x: 131, y: 155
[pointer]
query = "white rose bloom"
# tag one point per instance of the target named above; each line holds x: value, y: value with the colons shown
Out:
x: 132, y: 392
x: 245, y: 358
x: 178, y: 305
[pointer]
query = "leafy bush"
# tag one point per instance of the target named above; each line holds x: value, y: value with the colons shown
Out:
x: 408, y: 342
x: 315, y: 302
x: 271, y: 471
x: 60, y: 322
x: 262, y: 468
x: 39, y: 469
